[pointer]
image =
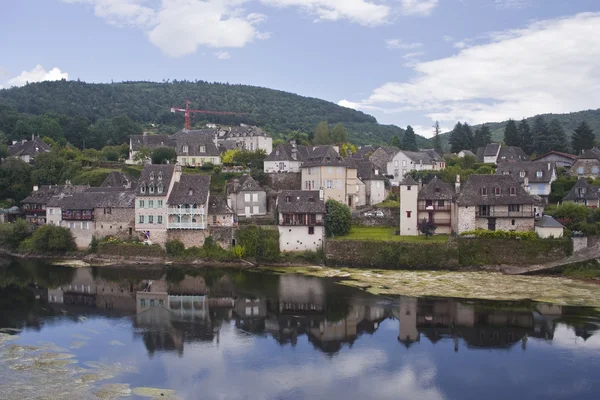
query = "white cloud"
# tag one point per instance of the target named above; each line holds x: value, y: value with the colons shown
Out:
x: 412, y: 58
x: 513, y: 75
x: 179, y: 27
x: 506, y: 4
x: 460, y: 45
x: 222, y: 55
x: 448, y: 38
x: 37, y: 74
x: 417, y: 7
x: 399, y: 44
x: 363, y: 12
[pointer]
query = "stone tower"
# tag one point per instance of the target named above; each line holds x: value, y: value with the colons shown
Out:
x: 409, y: 191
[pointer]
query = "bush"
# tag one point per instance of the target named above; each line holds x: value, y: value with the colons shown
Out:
x: 569, y: 214
x: 238, y: 251
x: 175, y: 247
x: 50, y: 239
x: 12, y: 235
x: 338, y: 219
x: 163, y: 155
x: 94, y: 245
x: 260, y: 244
x: 482, y: 233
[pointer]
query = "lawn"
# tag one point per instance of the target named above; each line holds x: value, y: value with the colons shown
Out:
x: 388, y: 204
x: 379, y: 233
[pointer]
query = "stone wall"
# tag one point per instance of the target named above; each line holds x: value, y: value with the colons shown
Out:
x: 481, y: 251
x: 223, y: 235
x: 579, y: 243
x: 189, y: 237
x: 119, y: 223
x: 130, y: 250
x: 285, y: 181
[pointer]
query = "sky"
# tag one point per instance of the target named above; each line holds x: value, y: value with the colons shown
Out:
x: 403, y: 61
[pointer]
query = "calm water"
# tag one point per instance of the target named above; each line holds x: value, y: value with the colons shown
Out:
x: 216, y: 334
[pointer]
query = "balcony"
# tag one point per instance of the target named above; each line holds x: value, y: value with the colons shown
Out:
x: 36, y: 210
x: 434, y: 207
x: 301, y: 223
x: 440, y: 221
x: 504, y: 214
x: 78, y: 215
x: 185, y: 211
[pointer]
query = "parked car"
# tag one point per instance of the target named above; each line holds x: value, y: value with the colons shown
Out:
x: 378, y: 214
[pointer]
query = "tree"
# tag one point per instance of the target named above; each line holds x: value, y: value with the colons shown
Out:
x: 50, y: 239
x: 539, y: 132
x: 482, y: 137
x: 339, y: 134
x: 395, y: 141
x: 15, y: 179
x: 322, y: 134
x: 410, y: 140
x: 556, y: 139
x: 426, y: 227
x: 583, y: 138
x: 437, y: 140
x: 526, y: 136
x: 229, y: 155
x: 511, y: 134
x: 163, y: 155
x: 347, y: 149
x: 142, y: 155
x: 250, y: 159
x: 461, y: 138
x: 53, y: 168
x: 338, y: 218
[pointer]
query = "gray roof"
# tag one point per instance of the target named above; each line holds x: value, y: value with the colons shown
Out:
x: 155, y: 174
x: 300, y: 201
x: 471, y: 191
x: 529, y: 168
x: 591, y: 154
x: 437, y: 190
x: 196, y: 143
x: 432, y: 154
x: 383, y: 155
x: 324, y: 156
x: 568, y: 156
x: 418, y: 156
x: 366, y: 171
x: 204, y: 132
x: 512, y: 153
x: 218, y: 205
x: 468, y: 153
x: 364, y: 151
x: 191, y: 189
x: 408, y: 180
x: 91, y: 199
x: 491, y: 149
x: 118, y: 179
x: 46, y: 192
x: 244, y: 184
x: 548, y: 222
x: 583, y: 190
x: 284, y: 152
x: 28, y: 148
x: 150, y: 141
x: 241, y: 131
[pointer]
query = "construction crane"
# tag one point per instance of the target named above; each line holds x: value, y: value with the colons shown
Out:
x: 187, y: 112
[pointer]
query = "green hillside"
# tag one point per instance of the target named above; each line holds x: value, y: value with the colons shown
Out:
x: 78, y: 103
x: 569, y: 121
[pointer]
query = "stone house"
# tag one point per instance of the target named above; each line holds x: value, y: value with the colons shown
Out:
x: 406, y: 161
x: 495, y: 153
x: 245, y: 137
x: 151, y: 211
x: 246, y: 197
x: 34, y: 206
x: 535, y: 176
x: 150, y: 142
x: 27, y: 150
x: 374, y: 181
x: 382, y: 156
x: 326, y: 170
x: 196, y: 149
x: 287, y: 157
x: 301, y: 217
x: 219, y: 213
x: 409, y: 192
x: 564, y: 160
x: 436, y: 202
x: 188, y: 203
x: 547, y: 227
x: 494, y: 202
x: 584, y: 193
x: 587, y: 165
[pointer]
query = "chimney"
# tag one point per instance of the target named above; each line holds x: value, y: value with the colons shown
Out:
x: 36, y: 188
x: 236, y: 184
x: 32, y: 137
x: 321, y: 194
x: 549, y: 166
x: 177, y: 173
x: 145, y: 134
x: 14, y: 142
x: 294, y: 151
x: 526, y: 184
x: 457, y: 184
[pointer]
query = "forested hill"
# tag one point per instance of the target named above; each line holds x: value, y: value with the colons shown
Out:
x: 569, y: 122
x: 277, y: 112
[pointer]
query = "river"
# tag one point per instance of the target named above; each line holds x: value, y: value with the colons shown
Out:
x: 172, y: 333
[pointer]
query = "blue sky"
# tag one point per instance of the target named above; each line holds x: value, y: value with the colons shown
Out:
x: 403, y: 61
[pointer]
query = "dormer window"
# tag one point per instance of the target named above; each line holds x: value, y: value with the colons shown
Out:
x: 513, y: 191
x: 497, y: 191
x: 506, y: 173
x: 437, y: 190
x: 202, y: 149
x: 184, y: 149
x: 311, y: 199
x: 190, y: 192
x: 522, y: 174
x: 151, y: 188
x: 483, y: 191
x: 152, y: 175
x: 143, y: 188
x: 539, y: 174
x: 288, y: 199
x: 160, y: 188
x: 160, y: 176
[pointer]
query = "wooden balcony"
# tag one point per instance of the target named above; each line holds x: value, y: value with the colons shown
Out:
x: 34, y: 210
x: 301, y: 223
x: 434, y: 207
x: 77, y: 215
x: 504, y: 214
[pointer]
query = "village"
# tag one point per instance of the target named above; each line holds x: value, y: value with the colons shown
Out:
x: 386, y: 189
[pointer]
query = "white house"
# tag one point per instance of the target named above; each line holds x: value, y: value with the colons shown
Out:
x: 547, y: 227
x: 409, y: 192
x: 406, y: 161
x: 536, y: 176
x: 301, y: 217
x: 286, y: 157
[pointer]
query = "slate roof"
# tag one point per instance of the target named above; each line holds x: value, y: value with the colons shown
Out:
x: 512, y: 153
x: 558, y: 153
x: 591, y: 192
x: 491, y: 149
x: 46, y: 192
x: 364, y: 151
x: 191, y: 189
x: 432, y: 154
x: 324, y: 156
x: 241, y: 131
x: 383, y: 155
x: 530, y: 168
x: 468, y: 153
x: 408, y: 181
x: 118, y: 179
x: 300, y: 201
x: 283, y: 152
x: 163, y: 173
x: 95, y: 199
x: 202, y: 132
x: 591, y: 154
x: 418, y: 156
x: 366, y: 171
x: 471, y: 195
x: 245, y: 184
x: 218, y: 205
x: 437, y: 190
x: 194, y: 143
x: 150, y: 141
x: 28, y: 148
x: 548, y: 222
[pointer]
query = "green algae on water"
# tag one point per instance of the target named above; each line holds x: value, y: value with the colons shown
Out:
x: 155, y: 393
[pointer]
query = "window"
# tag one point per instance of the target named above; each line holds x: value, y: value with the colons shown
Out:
x: 161, y: 302
x: 143, y: 188
x: 595, y: 170
x: 580, y: 171
x: 142, y: 203
x: 539, y: 174
x: 514, y: 207
x: 497, y: 191
x: 441, y: 203
x: 152, y: 302
x: 408, y: 213
x: 483, y: 191
x: 311, y: 230
x: 160, y: 188
x: 513, y: 222
x: 288, y: 198
x: 159, y: 219
x: 159, y: 203
x: 202, y: 149
x: 160, y: 176
x: 255, y: 210
x: 409, y: 188
x: 151, y: 188
x: 152, y: 175
x: 309, y: 171
x: 330, y: 170
x: 255, y: 197
x: 150, y: 219
x: 193, y: 161
x: 52, y: 211
x: 247, y: 197
x: 85, y: 225
x: 522, y: 174
x: 513, y: 191
x: 185, y: 149
x: 141, y: 219
x: 107, y: 211
x: 150, y: 203
x: 506, y: 173
x: 143, y: 302
x: 329, y: 184
x: 71, y: 225
x: 395, y: 163
x: 404, y: 163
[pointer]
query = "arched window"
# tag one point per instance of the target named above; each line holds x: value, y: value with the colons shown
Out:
x: 160, y: 187
x: 143, y: 188
x: 151, y: 188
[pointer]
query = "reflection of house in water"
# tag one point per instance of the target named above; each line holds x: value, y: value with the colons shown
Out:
x: 81, y: 291
x: 250, y: 314
x: 480, y: 326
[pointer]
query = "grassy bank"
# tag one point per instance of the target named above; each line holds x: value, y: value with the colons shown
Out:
x: 387, y: 234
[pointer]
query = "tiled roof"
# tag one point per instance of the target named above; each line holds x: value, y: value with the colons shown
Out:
x: 591, y: 154
x: 512, y: 153
x: 366, y: 171
x: 491, y: 149
x: 383, y: 155
x: 218, y: 205
x: 155, y: 174
x: 28, y: 148
x: 46, y: 192
x: 364, y: 151
x: 300, y: 201
x: 558, y: 153
x: 583, y: 190
x: 324, y: 156
x: 241, y: 131
x: 468, y: 153
x: 198, y: 145
x: 283, y: 152
x: 529, y: 170
x: 471, y: 191
x: 118, y: 179
x: 203, y: 132
x: 432, y: 154
x: 95, y: 199
x: 245, y: 184
x: 548, y: 222
x: 191, y: 189
x: 437, y: 190
x: 151, y: 141
x: 418, y: 156
x: 408, y: 180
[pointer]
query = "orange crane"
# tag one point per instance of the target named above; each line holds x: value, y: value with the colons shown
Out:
x: 188, y: 113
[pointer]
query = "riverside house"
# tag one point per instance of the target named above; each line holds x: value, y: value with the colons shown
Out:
x: 584, y: 193
x: 406, y: 161
x: 301, y: 215
x: 35, y: 205
x: 373, y: 180
x: 27, y: 150
x: 196, y: 149
x: 246, y: 197
x: 535, y: 176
